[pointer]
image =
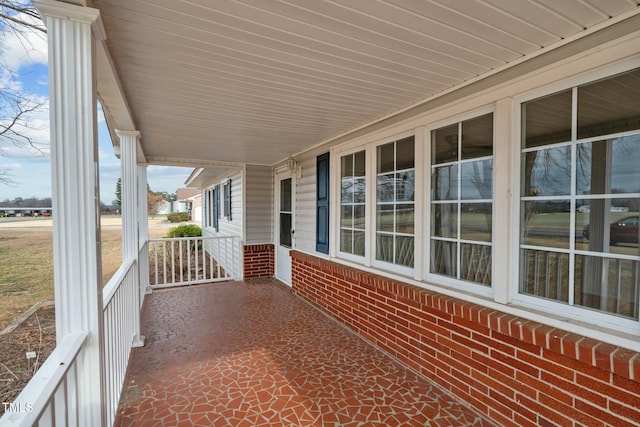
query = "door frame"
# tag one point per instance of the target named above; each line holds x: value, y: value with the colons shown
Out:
x: 281, y: 255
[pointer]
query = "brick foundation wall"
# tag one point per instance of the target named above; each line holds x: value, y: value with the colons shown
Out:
x: 515, y: 371
x: 258, y: 261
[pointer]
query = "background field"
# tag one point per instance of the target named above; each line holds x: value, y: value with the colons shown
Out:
x: 26, y: 260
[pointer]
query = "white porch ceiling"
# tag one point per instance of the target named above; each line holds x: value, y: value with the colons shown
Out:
x: 255, y: 81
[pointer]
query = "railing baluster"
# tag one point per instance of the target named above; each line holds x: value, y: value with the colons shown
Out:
x: 197, y: 257
x: 217, y: 257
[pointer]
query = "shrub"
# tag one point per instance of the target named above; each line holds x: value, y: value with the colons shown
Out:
x: 186, y: 230
x: 178, y: 217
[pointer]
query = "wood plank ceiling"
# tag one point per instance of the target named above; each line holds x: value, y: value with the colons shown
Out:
x: 254, y: 81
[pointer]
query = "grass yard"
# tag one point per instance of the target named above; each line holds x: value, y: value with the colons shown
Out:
x: 26, y: 265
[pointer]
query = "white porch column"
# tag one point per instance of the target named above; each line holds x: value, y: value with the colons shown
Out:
x: 72, y: 34
x: 130, y: 214
x: 129, y: 196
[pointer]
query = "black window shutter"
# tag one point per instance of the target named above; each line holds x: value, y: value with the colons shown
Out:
x: 322, y: 203
x: 227, y: 204
x: 216, y: 207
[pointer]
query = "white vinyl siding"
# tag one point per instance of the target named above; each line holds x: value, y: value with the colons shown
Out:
x: 233, y: 227
x: 259, y: 204
x: 305, y: 205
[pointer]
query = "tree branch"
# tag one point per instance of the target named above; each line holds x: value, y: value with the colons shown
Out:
x: 23, y: 23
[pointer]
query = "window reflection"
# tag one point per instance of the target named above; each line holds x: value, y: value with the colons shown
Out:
x: 547, y: 172
x: 609, y: 105
x: 395, y: 194
x: 477, y: 180
x: 546, y: 223
x: 462, y: 170
x: 352, y: 199
x: 619, y: 156
x: 547, y: 120
x: 592, y: 228
x: 445, y: 144
x: 445, y: 182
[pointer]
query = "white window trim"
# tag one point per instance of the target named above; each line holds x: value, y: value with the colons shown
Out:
x: 571, y: 312
x: 337, y: 205
x: 372, y: 205
x: 439, y: 279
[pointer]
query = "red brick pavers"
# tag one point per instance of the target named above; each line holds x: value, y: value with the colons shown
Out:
x: 253, y: 354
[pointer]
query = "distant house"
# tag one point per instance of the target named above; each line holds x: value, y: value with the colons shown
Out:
x: 163, y: 207
x: 185, y: 198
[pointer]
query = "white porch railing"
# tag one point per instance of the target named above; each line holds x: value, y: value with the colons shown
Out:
x: 51, y: 397
x: 119, y: 310
x: 191, y: 260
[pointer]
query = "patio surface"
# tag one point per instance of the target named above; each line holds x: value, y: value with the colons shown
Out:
x: 253, y: 354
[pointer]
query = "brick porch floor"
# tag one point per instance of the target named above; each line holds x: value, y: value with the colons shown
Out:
x: 253, y: 354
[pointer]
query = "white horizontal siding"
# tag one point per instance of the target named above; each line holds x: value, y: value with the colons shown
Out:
x: 233, y: 227
x: 259, y: 204
x: 305, y: 220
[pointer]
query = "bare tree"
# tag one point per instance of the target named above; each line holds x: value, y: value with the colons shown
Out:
x: 19, y: 21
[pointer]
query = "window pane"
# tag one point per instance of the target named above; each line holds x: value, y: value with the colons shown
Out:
x: 385, y: 157
x: 404, y: 250
x: 285, y: 229
x: 547, y: 172
x: 404, y: 219
x: 444, y: 143
x: 404, y: 186
x: 606, y: 284
x: 358, y: 243
x: 620, y: 157
x: 601, y: 226
x: 477, y: 180
x: 445, y: 183
x: 547, y: 120
x: 475, y: 221
x: 358, y: 216
x: 346, y: 166
x: 384, y: 218
x: 444, y: 220
x: 384, y: 247
x: 609, y: 106
x: 477, y: 137
x: 546, y: 223
x: 346, y: 241
x: 443, y: 258
x: 285, y: 195
x: 544, y: 274
x: 346, y: 217
x: 385, y: 188
x: 475, y: 263
x: 359, y: 190
x: 359, y: 167
x: 405, y: 153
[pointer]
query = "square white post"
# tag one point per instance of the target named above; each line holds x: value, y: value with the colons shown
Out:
x: 72, y: 34
x: 130, y: 215
x: 143, y: 232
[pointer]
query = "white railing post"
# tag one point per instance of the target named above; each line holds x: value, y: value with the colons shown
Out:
x: 72, y: 35
x: 130, y: 205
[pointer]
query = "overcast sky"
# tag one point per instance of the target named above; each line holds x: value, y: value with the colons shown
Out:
x: 30, y: 169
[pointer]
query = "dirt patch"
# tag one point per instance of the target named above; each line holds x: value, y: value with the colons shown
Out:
x: 26, y: 278
x: 36, y: 334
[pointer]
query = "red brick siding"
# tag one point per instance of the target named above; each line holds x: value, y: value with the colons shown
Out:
x: 258, y: 261
x: 515, y: 371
